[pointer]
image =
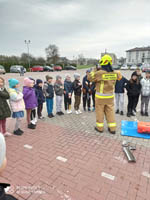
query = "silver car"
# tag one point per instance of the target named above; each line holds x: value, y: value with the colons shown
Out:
x: 16, y: 69
x: 2, y: 70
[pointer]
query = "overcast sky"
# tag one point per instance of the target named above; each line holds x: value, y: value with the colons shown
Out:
x: 75, y: 26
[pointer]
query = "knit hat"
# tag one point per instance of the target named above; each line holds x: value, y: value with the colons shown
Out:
x: 38, y: 81
x: 27, y: 82
x: 67, y: 76
x: 58, y: 77
x: 76, y: 75
x: 13, y: 82
x: 134, y: 74
x: 88, y: 70
x: 48, y: 77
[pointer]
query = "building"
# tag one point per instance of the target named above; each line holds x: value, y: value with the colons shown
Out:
x: 114, y: 57
x: 138, y: 55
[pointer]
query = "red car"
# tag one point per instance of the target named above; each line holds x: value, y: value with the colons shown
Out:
x: 37, y: 69
x: 57, y: 68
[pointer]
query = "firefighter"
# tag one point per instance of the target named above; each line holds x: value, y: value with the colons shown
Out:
x: 105, y: 79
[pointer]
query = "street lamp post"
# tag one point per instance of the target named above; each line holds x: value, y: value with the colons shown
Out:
x: 27, y: 42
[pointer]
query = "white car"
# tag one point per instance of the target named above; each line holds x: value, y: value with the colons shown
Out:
x: 133, y: 67
x: 124, y: 67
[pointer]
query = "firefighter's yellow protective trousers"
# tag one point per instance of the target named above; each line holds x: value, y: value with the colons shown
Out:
x: 105, y: 107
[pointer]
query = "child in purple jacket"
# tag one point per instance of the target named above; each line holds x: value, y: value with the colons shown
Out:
x: 29, y: 99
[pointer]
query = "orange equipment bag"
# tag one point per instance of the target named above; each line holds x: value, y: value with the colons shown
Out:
x: 143, y: 127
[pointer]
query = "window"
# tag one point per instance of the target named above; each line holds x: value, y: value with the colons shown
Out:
x: 137, y: 55
x: 143, y: 57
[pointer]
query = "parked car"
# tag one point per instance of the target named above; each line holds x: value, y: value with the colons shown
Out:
x: 115, y: 67
x: 70, y: 68
x: 37, y: 68
x: 124, y: 67
x: 16, y: 69
x: 145, y: 67
x: 48, y: 69
x: 133, y: 67
x: 57, y: 68
x: 2, y: 70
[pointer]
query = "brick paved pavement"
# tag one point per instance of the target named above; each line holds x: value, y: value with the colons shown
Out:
x: 36, y: 174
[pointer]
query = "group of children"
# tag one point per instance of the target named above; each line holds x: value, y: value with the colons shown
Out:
x: 35, y: 93
x: 136, y: 86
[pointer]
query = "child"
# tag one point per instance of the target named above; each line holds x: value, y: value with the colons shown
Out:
x: 77, y: 92
x: 133, y: 90
x: 145, y: 93
x: 29, y: 99
x: 87, y: 91
x: 4, y: 108
x: 119, y: 95
x: 68, y: 90
x: 17, y: 104
x: 33, y: 112
x: 40, y: 97
x: 48, y: 90
x: 58, y: 87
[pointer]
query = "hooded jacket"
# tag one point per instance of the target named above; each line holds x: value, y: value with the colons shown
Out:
x: 133, y: 88
x: 16, y: 100
x: 39, y: 94
x: 58, y: 90
x: 4, y: 107
x: 48, y: 90
x: 68, y: 87
x: 77, y: 87
x: 145, y: 90
x: 29, y: 97
x: 120, y: 85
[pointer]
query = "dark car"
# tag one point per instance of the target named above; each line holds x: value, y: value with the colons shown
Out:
x: 70, y: 68
x: 48, y: 69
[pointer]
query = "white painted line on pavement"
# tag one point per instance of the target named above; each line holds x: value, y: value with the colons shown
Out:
x: 146, y: 174
x: 109, y: 176
x: 27, y: 146
x: 61, y: 159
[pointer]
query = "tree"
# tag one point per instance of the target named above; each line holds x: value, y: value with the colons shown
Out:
x: 81, y: 59
x: 52, y: 53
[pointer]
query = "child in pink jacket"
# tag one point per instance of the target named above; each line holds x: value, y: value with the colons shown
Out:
x: 17, y: 104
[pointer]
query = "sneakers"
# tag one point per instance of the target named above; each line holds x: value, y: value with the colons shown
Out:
x: 146, y: 114
x: 69, y: 111
x: 142, y: 113
x: 61, y: 113
x: 117, y: 111
x: 51, y: 115
x: 31, y: 126
x: 128, y: 114
x: 133, y: 114
x: 112, y: 132
x: 121, y: 113
x: 76, y: 112
x: 18, y: 132
x: 41, y: 117
x: 79, y: 111
x: 89, y: 109
x: 7, y: 134
x: 93, y: 109
x: 58, y: 113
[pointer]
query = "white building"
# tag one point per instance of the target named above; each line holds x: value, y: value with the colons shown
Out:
x: 138, y: 55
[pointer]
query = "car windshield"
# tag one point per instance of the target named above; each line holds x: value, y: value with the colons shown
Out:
x: 1, y: 67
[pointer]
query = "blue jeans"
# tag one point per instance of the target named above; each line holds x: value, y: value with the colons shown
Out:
x: 49, y: 105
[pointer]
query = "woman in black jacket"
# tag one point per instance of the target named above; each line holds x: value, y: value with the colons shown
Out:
x: 133, y: 91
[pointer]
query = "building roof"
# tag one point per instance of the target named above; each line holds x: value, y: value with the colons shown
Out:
x: 139, y: 49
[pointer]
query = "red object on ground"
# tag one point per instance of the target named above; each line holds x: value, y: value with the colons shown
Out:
x: 57, y: 68
x: 37, y: 69
x: 144, y: 127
